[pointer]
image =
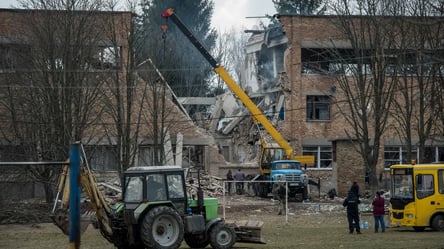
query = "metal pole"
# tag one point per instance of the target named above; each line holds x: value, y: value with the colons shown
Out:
x: 286, y: 202
x: 74, y: 199
x: 224, y: 201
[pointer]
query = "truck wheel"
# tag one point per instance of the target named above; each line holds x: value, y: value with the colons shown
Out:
x: 222, y: 236
x: 162, y: 228
x: 438, y: 223
x: 196, y: 241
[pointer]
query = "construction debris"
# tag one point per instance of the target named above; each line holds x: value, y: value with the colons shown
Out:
x: 211, y: 185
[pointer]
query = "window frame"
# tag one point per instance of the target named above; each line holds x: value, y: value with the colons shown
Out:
x: 319, y: 152
x: 315, y: 105
x: 400, y: 152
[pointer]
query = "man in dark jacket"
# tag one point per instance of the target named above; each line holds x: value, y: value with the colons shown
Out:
x: 352, y: 203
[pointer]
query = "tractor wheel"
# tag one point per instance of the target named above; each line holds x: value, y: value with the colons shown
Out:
x: 196, y: 240
x: 162, y: 228
x: 222, y: 236
x: 438, y: 223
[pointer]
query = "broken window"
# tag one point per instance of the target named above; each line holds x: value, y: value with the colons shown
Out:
x: 107, y: 57
x: 349, y: 69
x: 334, y: 61
x: 194, y: 155
x: 314, y: 61
x: 323, y: 155
x: 318, y: 107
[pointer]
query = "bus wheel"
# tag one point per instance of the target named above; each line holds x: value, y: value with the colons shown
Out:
x: 438, y: 223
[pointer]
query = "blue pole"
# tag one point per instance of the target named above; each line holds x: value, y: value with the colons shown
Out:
x: 74, y: 198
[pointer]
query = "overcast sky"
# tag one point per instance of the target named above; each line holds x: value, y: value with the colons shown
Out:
x: 227, y: 13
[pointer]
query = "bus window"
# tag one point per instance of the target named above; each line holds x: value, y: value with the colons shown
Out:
x: 402, y: 186
x: 441, y: 181
x: 424, y: 185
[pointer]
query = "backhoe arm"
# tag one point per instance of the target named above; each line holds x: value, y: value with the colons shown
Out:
x: 98, y: 203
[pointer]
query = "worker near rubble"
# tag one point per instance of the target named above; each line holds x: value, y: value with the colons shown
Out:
x: 352, y: 203
x: 240, y: 177
x: 379, y: 211
x: 280, y: 192
x: 229, y: 179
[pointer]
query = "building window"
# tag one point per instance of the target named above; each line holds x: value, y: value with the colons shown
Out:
x: 14, y: 57
x: 192, y: 155
x: 349, y: 69
x: 398, y: 155
x: 102, y: 157
x: 433, y: 154
x: 7, y: 58
x: 323, y: 155
x: 146, y: 155
x: 107, y: 58
x: 318, y: 107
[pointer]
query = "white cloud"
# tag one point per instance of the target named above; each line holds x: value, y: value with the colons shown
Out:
x: 234, y: 13
x: 227, y: 13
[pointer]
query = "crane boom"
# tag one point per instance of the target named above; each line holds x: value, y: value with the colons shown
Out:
x: 258, y: 116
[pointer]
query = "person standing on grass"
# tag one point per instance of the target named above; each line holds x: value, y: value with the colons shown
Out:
x: 379, y: 211
x: 280, y: 192
x: 352, y: 203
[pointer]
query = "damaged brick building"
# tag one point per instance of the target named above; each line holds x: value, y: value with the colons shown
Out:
x: 286, y: 77
x: 289, y: 73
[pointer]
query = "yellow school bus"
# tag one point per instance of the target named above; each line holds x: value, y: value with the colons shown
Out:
x: 417, y: 196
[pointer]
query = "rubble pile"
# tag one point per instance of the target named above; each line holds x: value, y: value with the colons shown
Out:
x: 211, y: 185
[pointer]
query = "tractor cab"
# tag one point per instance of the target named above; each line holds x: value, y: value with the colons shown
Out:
x: 155, y: 184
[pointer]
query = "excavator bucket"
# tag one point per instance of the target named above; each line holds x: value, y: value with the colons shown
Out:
x: 248, y: 231
x: 61, y: 219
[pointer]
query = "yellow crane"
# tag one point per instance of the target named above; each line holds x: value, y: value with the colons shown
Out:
x: 269, y: 154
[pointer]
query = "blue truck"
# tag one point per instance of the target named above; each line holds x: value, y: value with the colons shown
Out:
x: 290, y: 171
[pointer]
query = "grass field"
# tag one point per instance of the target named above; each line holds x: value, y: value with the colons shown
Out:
x: 303, y: 230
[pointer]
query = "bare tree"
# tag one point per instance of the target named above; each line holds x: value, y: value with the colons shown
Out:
x: 122, y: 106
x: 53, y: 98
x: 417, y: 89
x: 230, y: 51
x: 368, y: 92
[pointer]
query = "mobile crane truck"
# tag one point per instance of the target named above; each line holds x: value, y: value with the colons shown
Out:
x: 271, y: 163
x: 155, y: 211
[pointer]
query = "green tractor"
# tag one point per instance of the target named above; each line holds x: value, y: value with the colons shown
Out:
x: 156, y: 212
